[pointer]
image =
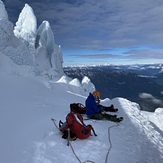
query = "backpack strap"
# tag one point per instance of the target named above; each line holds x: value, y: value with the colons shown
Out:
x: 78, y: 118
x: 81, y: 119
x: 93, y: 131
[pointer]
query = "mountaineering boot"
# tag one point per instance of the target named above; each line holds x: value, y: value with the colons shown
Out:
x: 110, y: 117
x: 115, y: 116
x: 113, y: 108
x: 73, y: 139
x: 72, y: 135
x: 119, y: 119
x: 109, y: 108
x: 65, y: 134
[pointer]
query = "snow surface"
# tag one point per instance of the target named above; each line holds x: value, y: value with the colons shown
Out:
x: 29, y: 136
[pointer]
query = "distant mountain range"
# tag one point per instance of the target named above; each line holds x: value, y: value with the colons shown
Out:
x: 139, y: 83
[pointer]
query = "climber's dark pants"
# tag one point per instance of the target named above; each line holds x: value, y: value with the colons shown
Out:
x: 100, y: 116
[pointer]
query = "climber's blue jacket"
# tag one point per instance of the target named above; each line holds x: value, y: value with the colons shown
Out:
x: 91, y: 106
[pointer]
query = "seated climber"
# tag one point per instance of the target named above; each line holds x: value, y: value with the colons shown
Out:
x: 96, y: 111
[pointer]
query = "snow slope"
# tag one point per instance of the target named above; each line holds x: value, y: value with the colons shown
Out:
x: 29, y: 136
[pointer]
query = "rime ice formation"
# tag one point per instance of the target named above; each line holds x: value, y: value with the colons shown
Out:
x: 28, y: 46
x: 5, y: 27
x: 48, y: 55
x: 10, y: 45
x: 3, y: 12
x: 26, y: 27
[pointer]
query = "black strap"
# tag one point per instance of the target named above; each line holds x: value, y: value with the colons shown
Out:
x: 94, y: 131
x: 85, y: 125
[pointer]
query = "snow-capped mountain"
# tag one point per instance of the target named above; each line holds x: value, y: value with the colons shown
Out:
x: 142, y: 69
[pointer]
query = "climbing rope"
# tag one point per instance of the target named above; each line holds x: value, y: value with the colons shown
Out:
x: 55, y: 123
x: 71, y: 146
x: 116, y: 125
x: 106, y: 159
x: 77, y: 156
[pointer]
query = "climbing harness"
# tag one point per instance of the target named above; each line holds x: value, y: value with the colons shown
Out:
x: 116, y: 125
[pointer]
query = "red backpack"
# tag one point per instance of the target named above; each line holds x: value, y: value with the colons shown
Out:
x: 78, y: 129
x: 78, y: 108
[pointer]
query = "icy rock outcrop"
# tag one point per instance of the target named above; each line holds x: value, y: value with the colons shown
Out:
x: 48, y: 56
x: 25, y: 45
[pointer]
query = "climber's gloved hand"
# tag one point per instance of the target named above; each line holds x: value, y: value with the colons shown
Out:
x: 103, y: 112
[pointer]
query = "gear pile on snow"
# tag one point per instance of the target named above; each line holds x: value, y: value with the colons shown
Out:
x: 74, y: 122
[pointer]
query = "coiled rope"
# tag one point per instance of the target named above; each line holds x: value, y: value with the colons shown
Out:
x: 72, y: 146
x: 116, y: 125
x: 77, y: 156
x: 106, y: 159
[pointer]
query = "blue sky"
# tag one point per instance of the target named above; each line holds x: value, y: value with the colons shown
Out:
x: 99, y: 32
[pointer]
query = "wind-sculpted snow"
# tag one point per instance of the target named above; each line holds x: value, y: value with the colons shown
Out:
x: 26, y: 25
x: 75, y: 82
x: 84, y: 87
x: 63, y: 79
x: 5, y: 32
x: 48, y: 54
x: 3, y: 12
x: 12, y: 47
x: 28, y: 46
x: 87, y: 85
x: 25, y: 28
x: 7, y: 66
x: 142, y: 131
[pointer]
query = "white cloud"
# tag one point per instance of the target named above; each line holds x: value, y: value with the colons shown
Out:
x: 157, y: 101
x: 151, y: 97
x: 145, y: 95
